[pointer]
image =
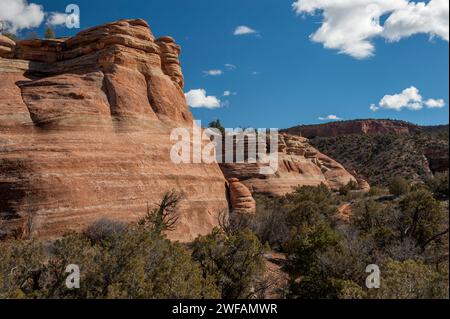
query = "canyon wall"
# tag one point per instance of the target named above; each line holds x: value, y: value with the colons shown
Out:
x: 85, y: 127
x: 299, y: 164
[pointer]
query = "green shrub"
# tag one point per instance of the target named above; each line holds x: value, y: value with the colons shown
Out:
x: 439, y: 185
x: 235, y: 262
x: 399, y: 186
x: 410, y: 280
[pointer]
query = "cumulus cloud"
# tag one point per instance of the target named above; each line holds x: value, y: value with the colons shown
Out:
x: 18, y: 14
x: 244, y: 30
x: 409, y: 98
x: 431, y: 18
x: 432, y: 103
x: 198, y: 99
x: 330, y: 117
x: 351, y: 25
x: 213, y: 72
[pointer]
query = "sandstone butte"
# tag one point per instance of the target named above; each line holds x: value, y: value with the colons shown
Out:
x: 85, y: 127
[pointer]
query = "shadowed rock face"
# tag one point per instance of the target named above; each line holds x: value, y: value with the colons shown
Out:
x: 85, y: 127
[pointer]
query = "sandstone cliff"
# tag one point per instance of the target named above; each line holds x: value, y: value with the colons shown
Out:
x: 85, y: 128
x: 300, y: 164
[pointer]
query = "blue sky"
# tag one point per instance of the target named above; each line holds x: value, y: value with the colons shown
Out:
x: 282, y: 78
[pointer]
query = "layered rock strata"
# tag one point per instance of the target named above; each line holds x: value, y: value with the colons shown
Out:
x: 85, y: 126
x: 299, y: 164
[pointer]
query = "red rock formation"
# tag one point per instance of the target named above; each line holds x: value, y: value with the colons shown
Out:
x: 299, y: 165
x: 241, y: 198
x: 6, y: 46
x: 353, y: 127
x: 85, y: 128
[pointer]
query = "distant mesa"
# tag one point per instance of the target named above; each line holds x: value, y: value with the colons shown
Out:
x: 368, y: 126
x: 379, y: 150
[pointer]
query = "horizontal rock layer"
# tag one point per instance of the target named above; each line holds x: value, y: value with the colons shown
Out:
x: 299, y: 164
x: 85, y: 127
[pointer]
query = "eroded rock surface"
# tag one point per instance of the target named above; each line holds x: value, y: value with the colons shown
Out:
x: 85, y: 127
x: 241, y: 198
x: 299, y: 165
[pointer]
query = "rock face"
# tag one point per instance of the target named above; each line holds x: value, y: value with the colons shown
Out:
x: 353, y: 127
x: 437, y: 156
x: 85, y: 127
x: 6, y: 46
x: 299, y: 165
x: 241, y: 199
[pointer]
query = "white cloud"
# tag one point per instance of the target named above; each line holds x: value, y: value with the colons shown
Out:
x: 57, y: 18
x: 18, y: 14
x: 198, y: 99
x: 230, y: 67
x: 229, y: 93
x: 213, y: 72
x: 409, y: 98
x: 351, y: 25
x: 330, y: 117
x: 256, y: 73
x: 373, y: 107
x: 243, y: 30
x: 432, y: 103
x: 431, y: 18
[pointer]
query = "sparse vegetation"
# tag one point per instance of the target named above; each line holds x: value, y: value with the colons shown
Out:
x: 399, y: 186
x: 438, y: 185
x: 380, y: 157
x: 217, y: 125
x: 326, y: 256
x: 50, y: 33
x: 235, y: 261
x: 135, y: 261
